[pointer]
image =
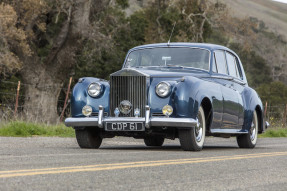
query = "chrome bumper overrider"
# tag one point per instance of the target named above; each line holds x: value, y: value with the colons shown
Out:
x: 153, y: 121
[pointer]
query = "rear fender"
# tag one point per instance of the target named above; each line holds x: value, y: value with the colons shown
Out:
x: 252, y: 103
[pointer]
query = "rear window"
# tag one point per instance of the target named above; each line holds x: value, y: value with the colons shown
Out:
x: 232, y: 65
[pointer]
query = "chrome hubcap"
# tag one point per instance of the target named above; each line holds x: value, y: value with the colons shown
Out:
x: 199, y: 128
x: 253, y: 129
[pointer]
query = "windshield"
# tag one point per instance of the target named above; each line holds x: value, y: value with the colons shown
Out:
x: 168, y: 57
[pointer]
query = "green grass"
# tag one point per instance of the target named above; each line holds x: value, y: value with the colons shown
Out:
x: 275, y: 132
x: 28, y: 129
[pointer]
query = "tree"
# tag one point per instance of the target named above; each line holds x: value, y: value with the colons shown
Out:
x: 54, y: 31
x: 10, y: 36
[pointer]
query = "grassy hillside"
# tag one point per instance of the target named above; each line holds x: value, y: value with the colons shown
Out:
x: 273, y: 14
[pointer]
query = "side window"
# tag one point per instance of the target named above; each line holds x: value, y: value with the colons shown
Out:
x: 220, y: 62
x: 239, y: 69
x: 232, y: 65
x: 214, y: 66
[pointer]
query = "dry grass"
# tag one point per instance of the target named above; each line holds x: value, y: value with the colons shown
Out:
x: 273, y: 14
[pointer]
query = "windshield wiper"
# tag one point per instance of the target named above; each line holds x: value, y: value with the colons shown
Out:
x: 170, y: 65
x: 146, y: 66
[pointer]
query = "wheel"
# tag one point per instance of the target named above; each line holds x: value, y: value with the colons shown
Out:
x: 154, y: 141
x: 193, y: 139
x: 88, y: 138
x: 249, y: 140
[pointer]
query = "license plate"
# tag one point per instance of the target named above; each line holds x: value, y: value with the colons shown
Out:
x: 124, y: 126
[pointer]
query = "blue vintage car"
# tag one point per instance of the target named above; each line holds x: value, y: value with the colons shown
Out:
x: 167, y: 91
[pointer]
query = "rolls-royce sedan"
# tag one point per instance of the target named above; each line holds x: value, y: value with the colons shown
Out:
x: 168, y: 91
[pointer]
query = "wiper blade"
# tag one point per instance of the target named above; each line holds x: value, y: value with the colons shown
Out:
x: 170, y: 65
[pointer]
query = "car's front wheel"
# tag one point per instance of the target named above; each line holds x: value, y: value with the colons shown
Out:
x: 154, y: 141
x: 193, y: 139
x: 88, y: 138
x: 249, y: 140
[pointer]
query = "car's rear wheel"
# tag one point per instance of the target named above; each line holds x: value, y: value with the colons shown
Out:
x: 193, y: 139
x: 154, y: 141
x: 249, y: 140
x: 88, y: 138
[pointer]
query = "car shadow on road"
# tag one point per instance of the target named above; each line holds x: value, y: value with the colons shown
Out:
x: 164, y: 148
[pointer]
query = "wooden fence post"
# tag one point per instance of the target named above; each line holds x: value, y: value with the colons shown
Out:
x: 66, y: 99
x: 17, y: 97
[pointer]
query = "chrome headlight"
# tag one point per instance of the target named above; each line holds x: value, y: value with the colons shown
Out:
x: 162, y: 89
x: 95, y: 89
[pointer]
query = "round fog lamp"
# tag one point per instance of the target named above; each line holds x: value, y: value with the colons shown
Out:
x: 167, y: 110
x: 87, y: 110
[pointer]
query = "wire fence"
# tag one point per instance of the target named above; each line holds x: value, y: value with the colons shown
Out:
x: 276, y: 115
x: 9, y: 110
x: 16, y: 105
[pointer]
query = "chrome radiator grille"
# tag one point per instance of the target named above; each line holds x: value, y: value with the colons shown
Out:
x: 131, y: 88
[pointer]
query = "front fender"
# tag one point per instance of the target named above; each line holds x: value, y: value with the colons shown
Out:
x: 189, y: 95
x: 80, y: 97
x: 185, y: 97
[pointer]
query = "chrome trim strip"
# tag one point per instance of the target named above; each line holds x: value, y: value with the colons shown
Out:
x: 229, y: 131
x: 222, y: 77
x: 239, y: 81
x: 173, y: 122
x: 81, y: 122
x: 228, y: 78
x: 100, y: 117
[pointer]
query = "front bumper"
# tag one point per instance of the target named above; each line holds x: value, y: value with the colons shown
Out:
x: 149, y: 122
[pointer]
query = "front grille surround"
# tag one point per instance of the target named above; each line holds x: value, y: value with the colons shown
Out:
x: 131, y: 88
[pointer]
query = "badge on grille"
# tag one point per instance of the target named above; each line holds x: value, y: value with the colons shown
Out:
x: 125, y: 107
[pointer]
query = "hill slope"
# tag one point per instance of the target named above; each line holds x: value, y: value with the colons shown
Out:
x: 273, y: 14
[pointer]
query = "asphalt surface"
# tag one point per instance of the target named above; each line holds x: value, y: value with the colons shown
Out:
x: 39, y: 163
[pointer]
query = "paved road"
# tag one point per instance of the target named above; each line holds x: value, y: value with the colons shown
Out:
x: 126, y: 164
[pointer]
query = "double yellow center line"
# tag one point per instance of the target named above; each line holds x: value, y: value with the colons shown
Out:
x: 115, y: 166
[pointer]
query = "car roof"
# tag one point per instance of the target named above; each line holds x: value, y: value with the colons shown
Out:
x: 184, y: 44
